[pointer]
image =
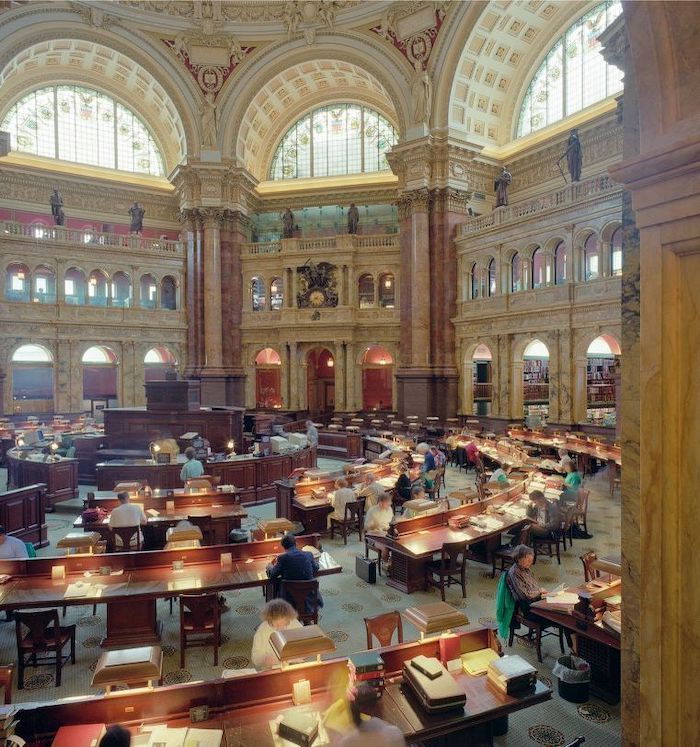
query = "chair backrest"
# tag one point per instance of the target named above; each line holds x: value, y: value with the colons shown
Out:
x: 382, y: 627
x: 304, y: 598
x: 523, y: 538
x: 451, y: 552
x: 589, y: 573
x: 199, y: 608
x: 6, y: 673
x: 354, y: 510
x: 203, y: 522
x: 582, y: 501
x: 37, y: 623
x: 125, y: 534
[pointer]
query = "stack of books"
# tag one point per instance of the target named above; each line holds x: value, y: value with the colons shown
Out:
x: 511, y: 674
x: 8, y: 723
x: 367, y: 668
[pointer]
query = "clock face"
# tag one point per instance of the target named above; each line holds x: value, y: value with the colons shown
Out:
x: 317, y: 298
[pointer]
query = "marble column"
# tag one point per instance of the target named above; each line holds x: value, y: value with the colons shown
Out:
x: 235, y: 232
x: 192, y: 233
x: 293, y: 398
x: 213, y: 350
x: 68, y: 378
x: 515, y: 411
x: 340, y: 376
x: 351, y: 368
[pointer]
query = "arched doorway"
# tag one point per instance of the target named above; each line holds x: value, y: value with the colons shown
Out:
x: 99, y: 378
x: 536, y: 383
x: 603, y: 358
x: 32, y: 379
x: 268, y: 384
x: 320, y: 377
x: 377, y: 379
x: 157, y: 362
x: 482, y: 380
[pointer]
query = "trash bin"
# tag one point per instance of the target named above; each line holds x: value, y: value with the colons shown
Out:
x: 574, y: 675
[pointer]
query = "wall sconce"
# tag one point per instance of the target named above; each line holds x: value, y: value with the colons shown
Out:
x: 330, y: 363
x: 382, y: 361
x: 387, y: 283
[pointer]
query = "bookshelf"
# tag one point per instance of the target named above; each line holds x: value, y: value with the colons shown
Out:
x: 536, y: 381
x: 601, y: 381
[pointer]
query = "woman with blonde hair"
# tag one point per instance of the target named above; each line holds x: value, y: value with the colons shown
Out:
x: 276, y: 615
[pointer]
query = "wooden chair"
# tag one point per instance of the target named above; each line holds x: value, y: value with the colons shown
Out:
x: 206, y: 525
x: 567, y: 526
x: 450, y: 568
x: 6, y: 673
x: 382, y: 627
x: 44, y: 635
x: 304, y: 597
x: 554, y: 539
x: 506, y: 553
x: 614, y: 477
x: 589, y: 572
x: 439, y: 480
x: 581, y: 509
x: 200, y: 616
x: 538, y: 628
x: 125, y: 535
x: 352, y: 521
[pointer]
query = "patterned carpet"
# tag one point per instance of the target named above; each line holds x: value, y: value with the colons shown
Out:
x: 347, y: 601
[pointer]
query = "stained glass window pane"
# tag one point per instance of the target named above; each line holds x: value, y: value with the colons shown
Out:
x: 573, y: 75
x: 91, y: 127
x: 334, y: 140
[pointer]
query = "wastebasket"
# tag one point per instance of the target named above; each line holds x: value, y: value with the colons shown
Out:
x: 574, y: 675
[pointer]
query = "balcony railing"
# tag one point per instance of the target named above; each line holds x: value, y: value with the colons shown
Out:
x: 482, y: 391
x: 323, y: 244
x: 561, y: 198
x: 85, y: 237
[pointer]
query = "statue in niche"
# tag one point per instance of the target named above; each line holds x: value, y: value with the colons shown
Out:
x: 501, y: 187
x: 422, y: 94
x: 59, y: 217
x: 136, y: 213
x: 208, y: 112
x: 353, y: 218
x: 292, y: 17
x: 287, y: 224
x: 574, y: 155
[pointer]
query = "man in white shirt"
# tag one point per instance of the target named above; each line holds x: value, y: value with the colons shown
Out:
x: 371, y: 490
x: 378, y: 518
x: 126, y: 514
x: 11, y: 547
x: 311, y: 433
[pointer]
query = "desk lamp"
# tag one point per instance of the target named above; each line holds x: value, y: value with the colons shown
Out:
x: 19, y: 442
x: 438, y: 617
x: 298, y: 643
x: 53, y: 448
x: 231, y: 446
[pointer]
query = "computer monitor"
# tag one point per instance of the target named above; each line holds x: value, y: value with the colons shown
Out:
x: 40, y: 436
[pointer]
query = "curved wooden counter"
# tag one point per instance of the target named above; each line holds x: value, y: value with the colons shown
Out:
x: 60, y: 475
x: 254, y: 477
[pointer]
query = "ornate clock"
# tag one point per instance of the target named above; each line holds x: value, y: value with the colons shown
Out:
x: 317, y: 286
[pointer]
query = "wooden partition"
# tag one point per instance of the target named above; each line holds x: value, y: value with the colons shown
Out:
x: 254, y: 477
x: 60, y: 477
x: 23, y: 513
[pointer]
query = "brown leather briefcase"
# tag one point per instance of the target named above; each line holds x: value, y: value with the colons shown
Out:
x: 435, y: 695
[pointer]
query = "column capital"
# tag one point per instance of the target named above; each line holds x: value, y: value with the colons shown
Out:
x: 201, y: 184
x: 415, y: 201
x: 450, y: 200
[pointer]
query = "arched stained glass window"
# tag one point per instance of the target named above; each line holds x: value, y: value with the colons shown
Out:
x: 574, y: 74
x: 82, y: 125
x: 333, y: 140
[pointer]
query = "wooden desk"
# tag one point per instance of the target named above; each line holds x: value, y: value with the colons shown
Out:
x: 254, y: 477
x: 243, y: 706
x: 415, y: 541
x: 60, y: 476
x: 146, y: 577
x: 224, y: 518
x: 595, y: 643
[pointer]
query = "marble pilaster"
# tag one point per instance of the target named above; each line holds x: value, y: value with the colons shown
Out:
x: 341, y: 370
x: 212, y: 291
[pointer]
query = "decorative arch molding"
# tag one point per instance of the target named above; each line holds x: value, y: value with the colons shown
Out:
x: 156, y: 68
x: 584, y: 338
x: 390, y: 72
x: 488, y: 58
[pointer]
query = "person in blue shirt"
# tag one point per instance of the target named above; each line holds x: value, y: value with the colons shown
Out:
x: 294, y: 565
x: 192, y: 467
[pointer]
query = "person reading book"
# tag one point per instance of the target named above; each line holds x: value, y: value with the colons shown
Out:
x: 277, y: 614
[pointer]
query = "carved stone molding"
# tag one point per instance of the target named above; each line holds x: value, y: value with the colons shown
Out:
x: 450, y: 200
x: 101, y: 200
x: 220, y: 185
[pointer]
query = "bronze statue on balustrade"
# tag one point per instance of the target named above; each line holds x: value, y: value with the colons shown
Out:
x: 59, y: 217
x: 136, y: 212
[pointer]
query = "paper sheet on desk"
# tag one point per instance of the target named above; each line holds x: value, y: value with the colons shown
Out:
x: 326, y: 562
x: 78, y: 590
x: 203, y: 738
x: 563, y: 598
